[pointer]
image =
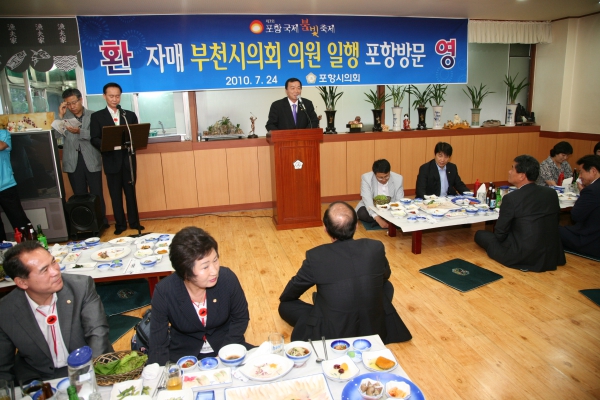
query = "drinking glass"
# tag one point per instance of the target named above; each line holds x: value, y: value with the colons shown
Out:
x: 4, y: 390
x: 276, y: 341
x: 173, y: 376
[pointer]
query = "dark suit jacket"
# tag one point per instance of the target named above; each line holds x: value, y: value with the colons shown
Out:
x: 527, y: 230
x: 112, y: 161
x: 281, y: 117
x: 227, y: 318
x: 428, y: 180
x: 350, y: 276
x: 82, y: 323
x: 584, y: 236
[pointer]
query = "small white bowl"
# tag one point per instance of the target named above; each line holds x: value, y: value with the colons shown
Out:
x: 103, y: 267
x: 92, y: 240
x: 366, y: 396
x: 470, y: 194
x: 471, y: 211
x: 340, y: 346
x: 149, y: 262
x: 145, y: 246
x: 412, y: 219
x: 164, y: 243
x: 403, y: 387
x: 232, y: 355
x: 361, y: 345
x: 208, y: 363
x: 406, y: 201
x: 398, y: 213
x: 298, y: 360
x: 183, y: 360
x: 161, y: 251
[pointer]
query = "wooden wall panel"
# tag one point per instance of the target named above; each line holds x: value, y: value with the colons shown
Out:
x: 333, y: 169
x: 580, y: 148
x: 242, y: 173
x: 506, y: 151
x: 179, y: 175
x: 390, y: 150
x: 433, y: 140
x: 212, y: 185
x: 462, y: 156
x: 544, y: 146
x: 528, y: 143
x: 484, y: 157
x: 413, y: 154
x: 359, y: 159
x: 264, y: 173
x: 150, y: 188
x: 107, y: 201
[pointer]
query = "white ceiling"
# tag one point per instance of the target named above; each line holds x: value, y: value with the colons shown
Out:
x: 474, y: 9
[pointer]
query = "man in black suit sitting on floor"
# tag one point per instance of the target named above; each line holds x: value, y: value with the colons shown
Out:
x: 354, y: 294
x: 293, y: 111
x: 116, y: 163
x: 584, y: 236
x: 526, y: 234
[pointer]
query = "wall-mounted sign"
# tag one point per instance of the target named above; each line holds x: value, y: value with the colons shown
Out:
x: 193, y: 52
x: 39, y: 42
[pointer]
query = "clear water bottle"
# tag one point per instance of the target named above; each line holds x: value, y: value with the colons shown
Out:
x: 81, y: 372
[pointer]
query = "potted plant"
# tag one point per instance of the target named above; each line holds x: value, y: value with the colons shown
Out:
x: 513, y: 91
x: 330, y: 98
x: 420, y: 102
x: 438, y: 97
x: 476, y: 96
x: 397, y: 93
x: 377, y: 100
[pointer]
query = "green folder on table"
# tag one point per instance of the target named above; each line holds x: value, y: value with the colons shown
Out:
x: 461, y: 275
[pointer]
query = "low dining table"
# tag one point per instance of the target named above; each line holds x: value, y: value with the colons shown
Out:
x: 131, y: 269
x: 311, y: 367
x: 417, y: 228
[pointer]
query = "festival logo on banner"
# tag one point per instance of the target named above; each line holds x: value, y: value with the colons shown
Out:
x: 195, y: 52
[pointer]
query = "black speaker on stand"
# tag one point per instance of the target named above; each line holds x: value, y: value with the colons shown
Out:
x: 84, y: 214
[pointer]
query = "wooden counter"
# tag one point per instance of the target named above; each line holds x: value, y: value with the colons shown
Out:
x: 186, y: 178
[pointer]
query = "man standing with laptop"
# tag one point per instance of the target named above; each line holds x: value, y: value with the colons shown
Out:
x: 116, y: 162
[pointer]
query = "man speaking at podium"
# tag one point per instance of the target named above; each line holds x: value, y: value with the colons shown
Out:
x: 292, y: 112
x: 116, y: 163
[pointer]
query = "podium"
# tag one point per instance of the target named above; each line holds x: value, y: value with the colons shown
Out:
x: 296, y: 177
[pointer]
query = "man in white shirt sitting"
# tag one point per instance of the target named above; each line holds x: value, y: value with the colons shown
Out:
x: 381, y: 181
x: 47, y: 316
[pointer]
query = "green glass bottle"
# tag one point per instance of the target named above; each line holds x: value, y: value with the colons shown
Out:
x: 72, y: 392
x: 498, y: 199
x: 41, y: 237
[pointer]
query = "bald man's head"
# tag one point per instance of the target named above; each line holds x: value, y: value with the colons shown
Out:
x: 340, y: 221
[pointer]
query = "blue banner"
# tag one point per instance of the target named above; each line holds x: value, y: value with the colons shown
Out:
x: 196, y: 52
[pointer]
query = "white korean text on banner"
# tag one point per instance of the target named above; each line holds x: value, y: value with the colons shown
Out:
x: 195, y: 52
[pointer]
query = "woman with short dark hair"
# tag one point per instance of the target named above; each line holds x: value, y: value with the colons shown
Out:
x: 201, y: 307
x: 556, y: 163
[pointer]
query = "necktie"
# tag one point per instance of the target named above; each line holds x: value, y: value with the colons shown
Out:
x: 294, y: 112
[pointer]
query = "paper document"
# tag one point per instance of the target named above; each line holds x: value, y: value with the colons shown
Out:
x: 61, y: 125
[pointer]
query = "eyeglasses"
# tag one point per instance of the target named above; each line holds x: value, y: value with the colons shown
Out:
x: 73, y: 103
x: 383, y: 178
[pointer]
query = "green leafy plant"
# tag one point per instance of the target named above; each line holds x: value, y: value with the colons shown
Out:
x: 421, y: 98
x: 513, y: 88
x: 376, y: 99
x: 476, y: 95
x: 330, y: 96
x: 438, y: 93
x: 397, y: 93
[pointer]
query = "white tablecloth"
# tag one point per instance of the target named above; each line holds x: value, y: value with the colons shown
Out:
x: 310, y: 368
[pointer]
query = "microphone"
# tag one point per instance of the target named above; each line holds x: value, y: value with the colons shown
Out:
x: 301, y: 105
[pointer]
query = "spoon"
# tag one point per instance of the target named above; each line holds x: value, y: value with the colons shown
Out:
x: 319, y: 359
x: 324, y: 347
